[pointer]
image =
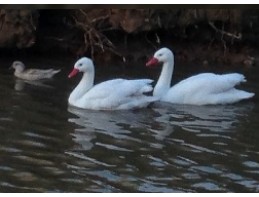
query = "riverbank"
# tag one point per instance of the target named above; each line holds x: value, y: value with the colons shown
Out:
x: 202, y: 36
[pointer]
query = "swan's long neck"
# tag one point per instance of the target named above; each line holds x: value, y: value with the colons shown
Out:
x: 82, y: 88
x: 164, y: 81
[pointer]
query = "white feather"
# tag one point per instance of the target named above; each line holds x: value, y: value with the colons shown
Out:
x: 116, y: 94
x: 201, y: 89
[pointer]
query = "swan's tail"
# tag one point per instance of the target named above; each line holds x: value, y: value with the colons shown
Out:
x: 225, y: 83
x: 245, y: 95
x: 235, y: 78
x: 146, y: 89
x: 231, y: 96
x: 144, y: 86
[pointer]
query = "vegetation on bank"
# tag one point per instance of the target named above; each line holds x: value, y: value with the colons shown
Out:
x: 224, y: 35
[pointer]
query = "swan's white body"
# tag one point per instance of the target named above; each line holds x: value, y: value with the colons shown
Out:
x: 32, y: 74
x: 116, y: 94
x: 201, y: 89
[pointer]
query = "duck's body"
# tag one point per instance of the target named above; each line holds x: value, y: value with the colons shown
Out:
x: 201, y: 89
x: 116, y: 94
x: 32, y: 74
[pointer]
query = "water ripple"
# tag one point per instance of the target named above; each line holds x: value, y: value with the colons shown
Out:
x: 46, y: 146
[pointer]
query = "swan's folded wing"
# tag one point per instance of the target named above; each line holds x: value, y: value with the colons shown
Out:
x: 207, y: 88
x: 208, y: 83
x: 103, y: 89
x: 119, y: 88
x: 131, y: 88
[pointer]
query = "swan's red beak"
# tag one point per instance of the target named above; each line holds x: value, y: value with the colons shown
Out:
x: 152, y: 62
x: 73, y: 73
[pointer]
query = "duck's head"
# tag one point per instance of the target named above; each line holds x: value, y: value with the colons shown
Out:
x: 18, y: 66
x: 161, y: 56
x: 82, y: 65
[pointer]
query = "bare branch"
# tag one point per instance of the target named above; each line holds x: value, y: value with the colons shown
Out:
x: 92, y: 37
x: 99, y: 18
x: 238, y: 36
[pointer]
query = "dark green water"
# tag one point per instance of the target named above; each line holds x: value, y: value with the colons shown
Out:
x: 46, y: 146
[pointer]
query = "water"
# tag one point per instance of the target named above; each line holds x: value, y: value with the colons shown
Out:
x: 46, y: 146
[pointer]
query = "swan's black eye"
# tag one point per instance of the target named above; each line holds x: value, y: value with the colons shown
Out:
x: 160, y: 55
x: 80, y: 65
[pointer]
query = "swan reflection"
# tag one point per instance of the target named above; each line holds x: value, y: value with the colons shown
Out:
x: 215, y: 118
x: 116, y: 124
x: 160, y: 121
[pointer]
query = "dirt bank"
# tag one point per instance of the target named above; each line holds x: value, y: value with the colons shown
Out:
x: 203, y: 35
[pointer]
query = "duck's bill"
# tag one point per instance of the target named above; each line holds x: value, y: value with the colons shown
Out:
x: 152, y: 62
x: 73, y: 73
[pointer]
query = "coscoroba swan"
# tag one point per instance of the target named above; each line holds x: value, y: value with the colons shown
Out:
x: 31, y: 74
x: 116, y: 94
x: 201, y: 89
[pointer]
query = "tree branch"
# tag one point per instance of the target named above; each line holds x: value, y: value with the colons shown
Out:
x: 238, y: 36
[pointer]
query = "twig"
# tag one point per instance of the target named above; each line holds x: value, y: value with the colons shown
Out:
x: 2, y: 18
x: 99, y: 18
x: 239, y: 36
x: 83, y: 12
x: 223, y: 41
x: 92, y: 37
x: 150, y: 42
x: 55, y: 38
x: 157, y: 39
x: 32, y: 24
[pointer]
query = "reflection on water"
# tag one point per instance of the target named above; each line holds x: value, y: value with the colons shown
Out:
x: 117, y: 124
x: 46, y: 146
x: 108, y: 123
x: 214, y: 124
x: 20, y: 84
x: 218, y: 118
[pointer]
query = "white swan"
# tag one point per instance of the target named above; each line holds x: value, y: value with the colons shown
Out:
x: 32, y: 74
x: 116, y: 94
x: 201, y: 89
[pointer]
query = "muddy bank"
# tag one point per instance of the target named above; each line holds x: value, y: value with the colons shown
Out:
x: 17, y: 28
x: 205, y: 36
